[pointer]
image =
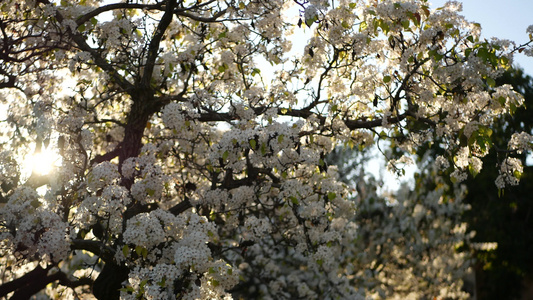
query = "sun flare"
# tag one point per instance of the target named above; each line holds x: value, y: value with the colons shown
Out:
x: 43, y: 162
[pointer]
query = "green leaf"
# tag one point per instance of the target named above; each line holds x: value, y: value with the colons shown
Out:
x: 345, y: 24
x: 472, y: 171
x: 331, y: 196
x: 143, y: 283
x: 491, y: 82
x: 512, y: 109
x: 384, y: 26
x: 363, y: 26
x: 504, y: 61
x: 150, y: 191
x: 386, y: 79
x: 253, y: 143
x: 425, y: 8
x: 351, y: 144
x: 256, y: 71
x: 125, y: 250
x: 485, y: 131
x: 138, y: 250
x: 482, y: 138
x: 321, y: 162
x: 501, y: 100
x: 225, y: 155
x: 468, y: 52
x: 311, y: 20
x: 35, y: 203
x: 163, y: 281
x: 406, y: 24
x: 436, y: 55
x: 94, y: 21
x: 453, y: 179
x: 294, y: 200
x: 128, y: 289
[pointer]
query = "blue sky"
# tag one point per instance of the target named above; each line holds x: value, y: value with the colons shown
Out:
x: 503, y: 19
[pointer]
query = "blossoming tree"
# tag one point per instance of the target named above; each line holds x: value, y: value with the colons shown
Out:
x: 191, y: 142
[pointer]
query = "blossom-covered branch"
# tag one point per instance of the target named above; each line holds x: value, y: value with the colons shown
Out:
x: 191, y: 143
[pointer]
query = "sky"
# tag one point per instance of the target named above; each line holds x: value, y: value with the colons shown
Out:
x: 506, y: 19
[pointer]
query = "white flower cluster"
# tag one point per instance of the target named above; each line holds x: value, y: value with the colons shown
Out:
x: 485, y: 246
x: 507, y: 93
x: 151, y: 280
x: 146, y: 230
x: 257, y: 227
x: 311, y: 14
x: 459, y: 175
x: 79, y: 59
x: 101, y: 175
x: 109, y: 203
x: 116, y: 31
x: 520, y: 142
x: 442, y: 163
x: 70, y: 122
x: 39, y: 231
x: 510, y: 171
x: 151, y: 182
x: 9, y: 169
x: 178, y: 246
x: 529, y: 50
x: 461, y: 158
x: 179, y: 116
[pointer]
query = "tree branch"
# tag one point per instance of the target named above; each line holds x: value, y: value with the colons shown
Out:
x: 31, y: 288
x: 27, y: 279
x: 88, y: 16
x: 106, y: 253
x: 180, y: 207
x: 98, y: 59
x: 214, y: 18
x: 153, y: 48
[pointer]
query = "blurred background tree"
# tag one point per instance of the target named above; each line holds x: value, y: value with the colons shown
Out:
x: 506, y: 220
